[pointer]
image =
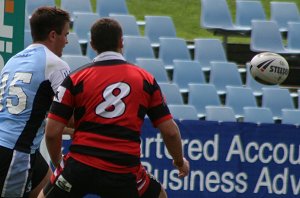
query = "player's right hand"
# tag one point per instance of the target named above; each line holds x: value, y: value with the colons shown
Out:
x: 183, y: 169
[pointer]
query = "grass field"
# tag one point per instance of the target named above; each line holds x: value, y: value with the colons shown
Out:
x: 185, y: 14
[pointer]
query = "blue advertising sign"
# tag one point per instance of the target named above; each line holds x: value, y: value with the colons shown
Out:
x: 228, y: 160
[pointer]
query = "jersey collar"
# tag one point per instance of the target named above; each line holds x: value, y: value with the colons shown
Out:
x: 109, y: 56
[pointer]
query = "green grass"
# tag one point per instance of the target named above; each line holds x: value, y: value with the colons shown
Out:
x: 185, y: 14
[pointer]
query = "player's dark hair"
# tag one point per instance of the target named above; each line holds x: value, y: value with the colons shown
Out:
x: 46, y: 19
x: 106, y: 34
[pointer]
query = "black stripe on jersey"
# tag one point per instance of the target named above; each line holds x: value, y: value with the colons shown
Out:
x: 67, y: 83
x: 114, y: 157
x: 61, y: 110
x: 78, y: 88
x: 79, y: 112
x: 149, y: 88
x: 40, y: 106
x: 157, y: 112
x: 110, y: 130
x: 142, y: 112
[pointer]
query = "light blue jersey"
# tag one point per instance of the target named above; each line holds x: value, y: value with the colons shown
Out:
x: 28, y: 83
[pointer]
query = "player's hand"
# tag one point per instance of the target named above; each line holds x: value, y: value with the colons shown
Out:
x: 183, y: 168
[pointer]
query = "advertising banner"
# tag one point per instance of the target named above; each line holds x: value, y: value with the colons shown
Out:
x: 11, y: 28
x: 228, y: 160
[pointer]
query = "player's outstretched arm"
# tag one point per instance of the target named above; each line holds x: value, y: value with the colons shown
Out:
x: 172, y: 139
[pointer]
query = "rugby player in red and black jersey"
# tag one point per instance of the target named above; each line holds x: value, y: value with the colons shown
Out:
x: 109, y: 99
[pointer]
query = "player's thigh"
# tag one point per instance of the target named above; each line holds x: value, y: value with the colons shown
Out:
x: 154, y: 189
x: 71, y: 182
x: 14, y: 172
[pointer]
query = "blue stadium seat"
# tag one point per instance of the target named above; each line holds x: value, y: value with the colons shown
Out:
x: 27, y: 38
x: 277, y: 99
x: 76, y: 61
x: 106, y: 7
x: 293, y: 38
x: 202, y: 95
x: 32, y: 5
x: 90, y: 52
x: 284, y: 12
x: 171, y: 93
x: 26, y: 22
x: 246, y: 11
x: 291, y: 116
x: 258, y: 115
x: 239, y: 97
x: 82, y: 24
x: 76, y: 6
x: 128, y: 23
x: 220, y: 114
x: 215, y: 16
x: 159, y: 26
x: 183, y: 112
x: 171, y: 49
x: 73, y: 46
x: 186, y: 72
x: 155, y: 67
x: 223, y: 74
x: 265, y: 36
x: 207, y: 50
x: 137, y: 47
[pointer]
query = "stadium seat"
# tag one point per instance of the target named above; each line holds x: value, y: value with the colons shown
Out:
x: 106, y: 7
x: 73, y: 46
x: 207, y: 50
x: 76, y: 61
x: 171, y: 93
x: 32, y: 5
x: 220, y: 114
x: 26, y: 22
x: 90, y: 52
x: 246, y: 11
x: 291, y: 116
x: 202, y: 95
x: 265, y: 36
x: 186, y: 72
x: 253, y: 84
x: 27, y: 38
x: 258, y: 115
x: 76, y: 6
x: 155, y: 67
x: 159, y: 26
x: 277, y: 99
x: 215, y: 16
x: 293, y: 38
x: 128, y: 23
x: 171, y: 49
x: 283, y: 12
x: 82, y: 24
x: 183, y: 112
x: 223, y: 74
x: 239, y: 97
x: 137, y: 47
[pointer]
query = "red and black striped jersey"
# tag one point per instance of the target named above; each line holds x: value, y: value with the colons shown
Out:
x: 109, y: 100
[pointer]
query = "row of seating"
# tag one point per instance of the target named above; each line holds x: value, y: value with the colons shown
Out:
x: 237, y: 97
x: 103, y: 7
x: 256, y: 115
x: 216, y: 16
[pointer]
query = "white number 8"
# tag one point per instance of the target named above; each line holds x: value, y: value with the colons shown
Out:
x: 113, y: 106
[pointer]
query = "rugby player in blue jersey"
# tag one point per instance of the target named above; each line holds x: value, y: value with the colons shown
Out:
x: 28, y: 83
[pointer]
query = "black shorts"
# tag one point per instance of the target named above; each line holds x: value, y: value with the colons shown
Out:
x: 78, y: 180
x: 20, y: 172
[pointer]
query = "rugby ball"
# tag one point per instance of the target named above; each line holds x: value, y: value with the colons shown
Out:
x: 269, y: 68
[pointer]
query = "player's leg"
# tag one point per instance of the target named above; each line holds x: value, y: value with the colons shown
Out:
x: 35, y: 192
x: 13, y: 172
